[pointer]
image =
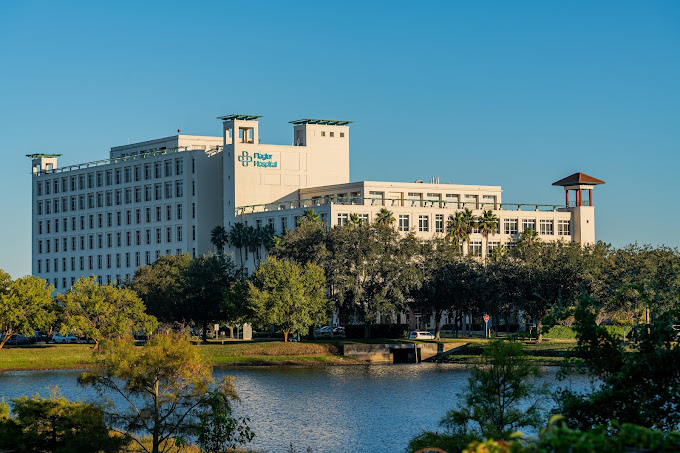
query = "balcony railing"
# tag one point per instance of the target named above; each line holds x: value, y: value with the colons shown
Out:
x: 393, y: 202
x: 115, y: 160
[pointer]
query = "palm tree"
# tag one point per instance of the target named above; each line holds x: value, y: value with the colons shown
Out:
x: 268, y: 237
x: 487, y: 224
x: 384, y: 217
x: 499, y: 253
x: 219, y: 237
x: 354, y: 219
x: 528, y: 238
x: 459, y: 227
x: 309, y: 215
x: 252, y: 240
x: 237, y: 238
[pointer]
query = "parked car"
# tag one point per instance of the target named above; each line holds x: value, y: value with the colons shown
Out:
x: 17, y: 339
x: 86, y: 340
x: 420, y: 335
x: 324, y: 329
x: 68, y: 338
x: 339, y: 330
x: 41, y: 337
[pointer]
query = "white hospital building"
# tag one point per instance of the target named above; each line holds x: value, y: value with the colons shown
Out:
x: 164, y: 196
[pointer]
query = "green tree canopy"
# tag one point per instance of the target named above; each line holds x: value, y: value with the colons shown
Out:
x: 56, y: 424
x: 103, y: 311
x: 371, y: 269
x: 165, y: 386
x: 26, y: 306
x: 160, y: 287
x: 289, y: 295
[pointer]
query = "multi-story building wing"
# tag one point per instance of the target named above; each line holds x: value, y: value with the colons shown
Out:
x: 106, y: 218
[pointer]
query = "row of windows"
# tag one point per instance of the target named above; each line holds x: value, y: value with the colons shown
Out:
x: 331, y: 134
x: 109, y: 240
x: 81, y: 261
x: 117, y: 197
x: 92, y: 262
x: 114, y: 218
x: 111, y: 177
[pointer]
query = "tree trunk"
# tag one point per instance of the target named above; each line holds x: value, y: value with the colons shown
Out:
x: 285, y: 336
x: 231, y: 331
x: 437, y: 326
x: 539, y: 330
x: 205, y: 331
x: 5, y: 338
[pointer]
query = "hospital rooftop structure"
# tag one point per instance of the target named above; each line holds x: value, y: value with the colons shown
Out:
x: 164, y: 196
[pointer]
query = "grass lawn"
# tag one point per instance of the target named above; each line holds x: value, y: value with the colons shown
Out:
x: 234, y: 352
x: 548, y: 352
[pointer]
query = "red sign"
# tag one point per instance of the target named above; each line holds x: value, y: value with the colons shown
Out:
x: 486, y: 318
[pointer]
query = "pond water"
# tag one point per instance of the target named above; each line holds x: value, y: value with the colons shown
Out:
x: 375, y: 408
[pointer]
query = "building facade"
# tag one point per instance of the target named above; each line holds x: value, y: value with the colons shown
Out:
x: 159, y: 197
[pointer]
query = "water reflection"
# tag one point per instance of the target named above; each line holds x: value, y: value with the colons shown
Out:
x: 331, y: 409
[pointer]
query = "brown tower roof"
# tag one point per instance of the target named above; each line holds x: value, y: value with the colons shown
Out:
x: 578, y: 178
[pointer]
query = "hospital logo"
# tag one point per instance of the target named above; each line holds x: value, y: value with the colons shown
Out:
x: 257, y: 159
x: 245, y: 158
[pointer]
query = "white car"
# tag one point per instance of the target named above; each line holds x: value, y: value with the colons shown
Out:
x: 63, y: 339
x: 324, y: 329
x: 420, y: 335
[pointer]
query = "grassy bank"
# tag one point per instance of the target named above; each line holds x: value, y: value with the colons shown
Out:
x: 319, y: 352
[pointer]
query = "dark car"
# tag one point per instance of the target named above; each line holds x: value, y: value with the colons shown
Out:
x: 41, y: 337
x: 18, y: 339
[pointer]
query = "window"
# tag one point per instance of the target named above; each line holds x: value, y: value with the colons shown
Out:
x: 168, y: 190
x: 528, y: 223
x: 475, y: 248
x: 168, y: 168
x: 343, y: 219
x: 128, y: 175
x: 179, y: 234
x: 128, y: 239
x: 179, y: 166
x: 323, y: 133
x: 157, y: 170
x: 193, y: 232
x: 423, y: 223
x: 179, y: 211
x: 168, y: 212
x: 148, y: 236
x: 363, y: 218
x: 510, y: 226
x: 283, y: 225
x: 491, y: 246
x: 158, y: 192
x: 403, y: 223
x: 168, y: 234
x: 193, y: 210
x: 179, y: 189
x: 342, y: 134
x: 147, y: 193
x: 147, y: 173
x: 563, y: 227
x: 158, y: 236
x: 547, y: 227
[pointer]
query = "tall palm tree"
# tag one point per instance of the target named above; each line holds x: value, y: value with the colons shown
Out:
x: 459, y: 227
x: 487, y: 224
x: 252, y: 240
x: 268, y: 237
x: 384, y: 217
x: 309, y: 215
x: 219, y: 237
x: 237, y: 238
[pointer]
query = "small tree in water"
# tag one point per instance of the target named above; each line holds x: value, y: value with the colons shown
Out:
x: 502, y: 396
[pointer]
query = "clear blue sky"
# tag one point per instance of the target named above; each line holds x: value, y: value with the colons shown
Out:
x: 518, y: 94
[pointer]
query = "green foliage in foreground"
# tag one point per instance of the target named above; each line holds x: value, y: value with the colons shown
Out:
x: 167, y: 388
x: 56, y: 424
x: 557, y: 437
x: 639, y: 377
x: 496, y: 390
x: 26, y: 305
